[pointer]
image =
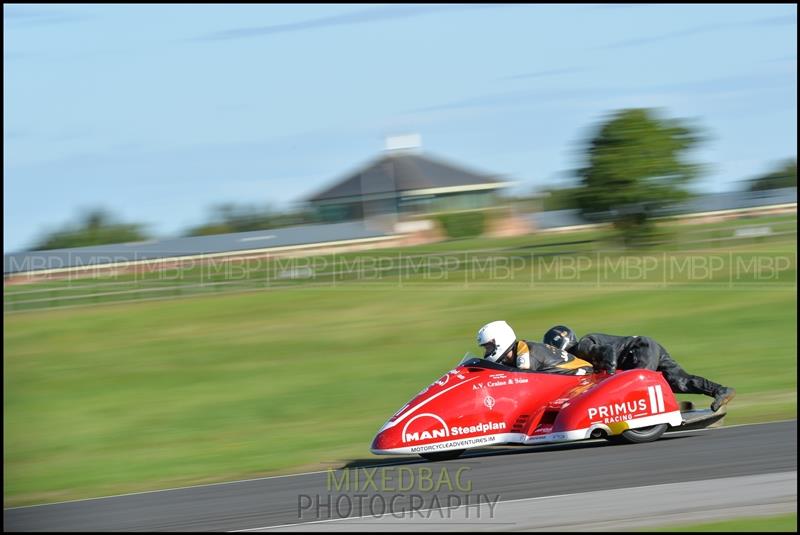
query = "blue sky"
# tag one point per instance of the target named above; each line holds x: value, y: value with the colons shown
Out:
x: 157, y: 112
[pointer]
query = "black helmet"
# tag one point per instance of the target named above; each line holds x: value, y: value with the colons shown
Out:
x: 560, y: 337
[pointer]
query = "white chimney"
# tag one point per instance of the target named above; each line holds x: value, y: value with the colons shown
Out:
x: 405, y: 142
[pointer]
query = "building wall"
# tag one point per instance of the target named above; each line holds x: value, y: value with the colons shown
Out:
x: 414, y: 205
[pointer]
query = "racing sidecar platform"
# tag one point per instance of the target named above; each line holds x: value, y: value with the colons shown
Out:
x: 482, y: 403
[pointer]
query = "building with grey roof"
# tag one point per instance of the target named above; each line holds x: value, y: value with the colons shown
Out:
x: 699, y: 204
x: 271, y: 240
x: 733, y: 200
x: 403, y: 181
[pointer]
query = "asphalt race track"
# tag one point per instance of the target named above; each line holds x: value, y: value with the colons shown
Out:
x: 685, y: 476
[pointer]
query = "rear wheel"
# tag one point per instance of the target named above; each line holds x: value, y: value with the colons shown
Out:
x: 640, y: 435
x: 442, y: 455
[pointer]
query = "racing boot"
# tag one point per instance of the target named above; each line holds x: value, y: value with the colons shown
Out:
x: 722, y: 397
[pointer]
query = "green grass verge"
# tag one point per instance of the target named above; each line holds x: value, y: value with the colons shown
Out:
x: 748, y: 524
x: 136, y: 396
x: 528, y: 254
x: 133, y: 396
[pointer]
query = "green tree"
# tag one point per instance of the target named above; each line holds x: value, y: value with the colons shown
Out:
x: 635, y: 164
x: 229, y: 217
x: 560, y: 198
x: 96, y: 227
x: 463, y: 224
x: 785, y: 176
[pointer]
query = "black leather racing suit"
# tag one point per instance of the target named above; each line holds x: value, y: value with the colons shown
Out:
x: 609, y: 352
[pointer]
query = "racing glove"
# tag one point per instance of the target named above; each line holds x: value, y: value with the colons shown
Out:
x: 608, y: 361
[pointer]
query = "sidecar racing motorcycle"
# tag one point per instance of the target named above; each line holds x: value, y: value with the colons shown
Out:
x: 482, y: 403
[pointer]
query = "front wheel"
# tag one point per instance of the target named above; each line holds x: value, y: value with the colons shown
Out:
x: 442, y: 455
x: 640, y: 435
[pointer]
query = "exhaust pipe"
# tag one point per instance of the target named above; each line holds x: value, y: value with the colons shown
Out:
x: 598, y: 433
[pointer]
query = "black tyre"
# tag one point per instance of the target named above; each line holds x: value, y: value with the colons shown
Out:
x: 640, y: 435
x: 442, y: 455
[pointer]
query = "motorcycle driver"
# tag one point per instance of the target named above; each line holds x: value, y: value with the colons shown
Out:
x: 500, y: 345
x: 609, y: 352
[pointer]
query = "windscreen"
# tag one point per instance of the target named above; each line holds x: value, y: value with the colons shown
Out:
x: 469, y: 355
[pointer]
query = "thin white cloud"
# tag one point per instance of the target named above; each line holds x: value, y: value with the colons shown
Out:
x: 749, y: 82
x: 20, y: 16
x: 543, y: 74
x: 373, y: 14
x: 771, y: 21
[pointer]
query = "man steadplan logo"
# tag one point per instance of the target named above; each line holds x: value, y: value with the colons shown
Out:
x: 438, y: 430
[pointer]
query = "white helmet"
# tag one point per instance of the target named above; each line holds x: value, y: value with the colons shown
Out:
x: 501, y: 335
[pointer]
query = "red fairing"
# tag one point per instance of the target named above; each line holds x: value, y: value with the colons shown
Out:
x: 470, y: 402
x: 626, y: 396
x: 474, y: 406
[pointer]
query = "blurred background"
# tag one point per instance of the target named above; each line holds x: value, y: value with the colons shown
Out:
x: 238, y: 238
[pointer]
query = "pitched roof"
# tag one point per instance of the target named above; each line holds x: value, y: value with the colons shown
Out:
x: 405, y: 171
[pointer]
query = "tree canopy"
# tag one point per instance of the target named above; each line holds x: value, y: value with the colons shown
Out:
x: 634, y: 164
x: 784, y: 176
x: 96, y: 227
x: 229, y: 217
